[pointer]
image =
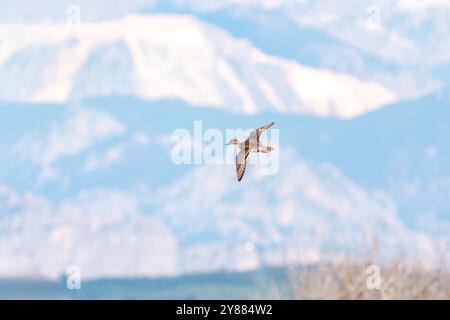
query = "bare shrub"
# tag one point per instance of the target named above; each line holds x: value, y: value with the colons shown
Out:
x: 351, y: 279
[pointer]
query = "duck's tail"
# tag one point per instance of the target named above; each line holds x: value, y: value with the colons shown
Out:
x: 265, y: 149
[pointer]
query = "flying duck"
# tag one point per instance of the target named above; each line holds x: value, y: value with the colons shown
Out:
x: 251, y: 144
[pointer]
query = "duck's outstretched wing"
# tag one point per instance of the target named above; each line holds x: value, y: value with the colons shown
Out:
x: 241, y: 162
x: 255, y: 134
x: 264, y: 128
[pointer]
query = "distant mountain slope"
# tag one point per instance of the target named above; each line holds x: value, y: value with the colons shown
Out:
x: 171, y: 56
x: 203, y: 221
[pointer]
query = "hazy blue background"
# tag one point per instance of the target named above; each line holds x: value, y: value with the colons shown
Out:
x: 90, y: 93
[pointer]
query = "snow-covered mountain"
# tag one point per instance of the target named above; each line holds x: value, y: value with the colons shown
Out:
x: 169, y: 56
x: 399, y: 44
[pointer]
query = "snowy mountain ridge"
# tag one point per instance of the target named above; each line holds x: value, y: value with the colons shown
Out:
x: 171, y: 56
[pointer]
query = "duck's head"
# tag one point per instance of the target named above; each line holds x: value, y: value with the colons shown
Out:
x: 233, y: 141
